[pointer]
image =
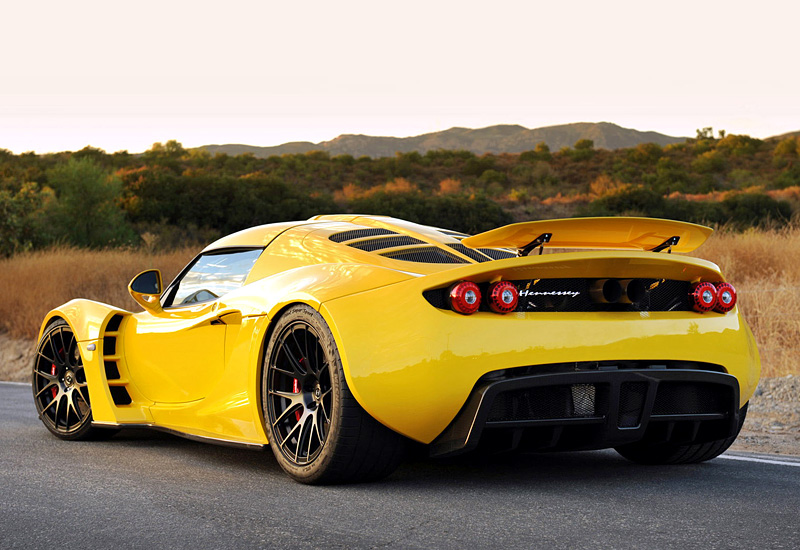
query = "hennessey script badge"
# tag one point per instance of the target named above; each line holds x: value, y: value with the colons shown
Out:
x: 570, y: 293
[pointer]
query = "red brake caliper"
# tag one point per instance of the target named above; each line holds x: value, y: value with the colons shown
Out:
x: 54, y: 390
x: 296, y: 389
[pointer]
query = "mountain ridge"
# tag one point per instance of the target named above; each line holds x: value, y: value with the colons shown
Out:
x: 499, y: 138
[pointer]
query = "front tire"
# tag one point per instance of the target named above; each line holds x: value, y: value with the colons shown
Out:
x: 317, y: 431
x: 667, y: 453
x: 60, y: 390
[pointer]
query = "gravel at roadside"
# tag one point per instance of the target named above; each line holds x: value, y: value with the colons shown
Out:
x: 773, y: 418
x: 16, y: 358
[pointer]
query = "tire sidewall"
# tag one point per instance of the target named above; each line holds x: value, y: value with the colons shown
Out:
x: 86, y: 428
x: 314, y: 471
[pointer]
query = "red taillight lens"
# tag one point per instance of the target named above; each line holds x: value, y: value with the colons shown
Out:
x: 503, y: 297
x: 726, y: 298
x: 465, y: 297
x: 704, y: 297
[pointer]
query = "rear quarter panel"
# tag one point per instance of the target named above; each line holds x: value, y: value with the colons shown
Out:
x: 412, y: 366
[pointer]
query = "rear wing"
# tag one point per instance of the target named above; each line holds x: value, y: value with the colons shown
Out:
x: 595, y: 233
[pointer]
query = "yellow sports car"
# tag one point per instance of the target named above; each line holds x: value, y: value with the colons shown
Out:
x: 339, y: 339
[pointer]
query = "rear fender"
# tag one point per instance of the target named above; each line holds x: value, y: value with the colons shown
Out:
x: 411, y: 366
x: 310, y: 285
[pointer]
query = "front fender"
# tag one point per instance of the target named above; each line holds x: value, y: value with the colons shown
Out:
x: 88, y: 319
x: 85, y: 317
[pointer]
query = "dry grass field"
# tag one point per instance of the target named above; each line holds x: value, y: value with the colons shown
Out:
x: 37, y: 282
x: 763, y: 265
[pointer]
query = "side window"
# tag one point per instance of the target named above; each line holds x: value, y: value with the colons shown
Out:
x: 212, y: 275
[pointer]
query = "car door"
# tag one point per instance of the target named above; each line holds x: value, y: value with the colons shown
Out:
x: 177, y: 356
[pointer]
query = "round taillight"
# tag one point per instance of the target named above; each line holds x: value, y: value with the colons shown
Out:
x: 465, y: 297
x: 704, y: 297
x: 726, y: 297
x: 503, y: 297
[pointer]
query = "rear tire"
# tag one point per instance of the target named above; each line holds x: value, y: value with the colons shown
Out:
x: 665, y: 453
x: 60, y: 390
x: 316, y: 428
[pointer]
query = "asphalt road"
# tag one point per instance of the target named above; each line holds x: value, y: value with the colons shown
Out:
x: 149, y: 490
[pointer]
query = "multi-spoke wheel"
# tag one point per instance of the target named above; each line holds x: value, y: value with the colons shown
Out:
x: 308, y: 407
x: 59, y: 384
x: 299, y: 399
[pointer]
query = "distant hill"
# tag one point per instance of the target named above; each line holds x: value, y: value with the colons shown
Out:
x: 503, y: 138
x: 784, y: 136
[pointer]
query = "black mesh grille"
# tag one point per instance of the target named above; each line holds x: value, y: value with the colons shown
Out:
x: 496, y: 254
x: 470, y: 252
x: 385, y: 242
x: 570, y: 295
x: 631, y: 401
x: 666, y: 295
x: 691, y: 398
x: 429, y: 255
x: 437, y: 298
x: 574, y: 295
x: 359, y: 234
x: 547, y: 403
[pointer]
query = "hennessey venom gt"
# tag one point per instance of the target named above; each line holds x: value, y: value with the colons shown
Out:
x: 338, y: 339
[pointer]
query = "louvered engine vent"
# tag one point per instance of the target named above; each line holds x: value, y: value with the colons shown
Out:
x: 426, y: 255
x: 359, y: 234
x: 496, y: 254
x: 470, y: 252
x: 385, y: 242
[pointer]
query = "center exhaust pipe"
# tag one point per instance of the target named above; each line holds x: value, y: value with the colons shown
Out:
x: 606, y: 291
x: 612, y: 291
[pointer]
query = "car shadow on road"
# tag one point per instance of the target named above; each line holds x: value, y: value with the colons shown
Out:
x: 588, y: 469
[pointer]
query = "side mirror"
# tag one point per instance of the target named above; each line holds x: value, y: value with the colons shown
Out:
x: 146, y: 289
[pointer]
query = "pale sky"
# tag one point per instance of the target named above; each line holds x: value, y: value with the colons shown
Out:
x: 122, y: 75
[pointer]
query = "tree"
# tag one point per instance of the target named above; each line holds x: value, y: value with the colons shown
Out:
x: 583, y: 150
x: 705, y: 133
x: 86, y: 211
x: 18, y: 218
x: 168, y: 155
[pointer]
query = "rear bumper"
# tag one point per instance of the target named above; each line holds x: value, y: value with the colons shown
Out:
x: 594, y: 409
x: 414, y: 367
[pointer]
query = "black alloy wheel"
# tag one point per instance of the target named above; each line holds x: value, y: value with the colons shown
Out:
x: 299, y: 393
x: 317, y: 430
x: 59, y: 384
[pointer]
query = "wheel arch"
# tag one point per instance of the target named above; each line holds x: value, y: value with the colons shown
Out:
x: 337, y: 338
x: 86, y: 318
x: 274, y: 317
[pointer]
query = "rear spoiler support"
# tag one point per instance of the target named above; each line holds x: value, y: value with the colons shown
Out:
x: 538, y: 241
x: 669, y: 243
